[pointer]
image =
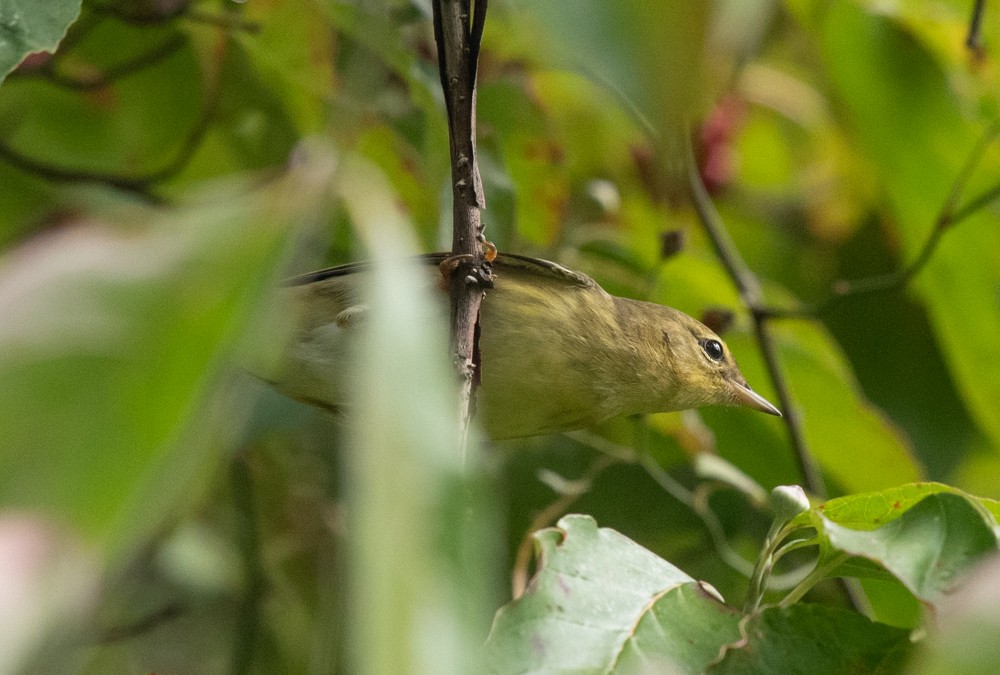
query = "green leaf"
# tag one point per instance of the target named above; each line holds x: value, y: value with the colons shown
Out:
x: 28, y: 26
x: 927, y: 547
x: 814, y: 639
x: 871, y: 510
x: 682, y: 632
x: 894, y: 91
x: 113, y: 341
x: 595, y: 603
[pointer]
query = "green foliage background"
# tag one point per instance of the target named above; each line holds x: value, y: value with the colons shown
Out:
x: 173, y: 161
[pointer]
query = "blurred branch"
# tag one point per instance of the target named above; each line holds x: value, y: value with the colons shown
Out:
x: 974, y: 38
x: 458, y: 38
x: 950, y: 214
x: 255, y: 585
x: 696, y: 500
x: 141, y: 184
x: 750, y: 291
x: 183, y: 10
x: 141, y: 626
x: 121, y: 70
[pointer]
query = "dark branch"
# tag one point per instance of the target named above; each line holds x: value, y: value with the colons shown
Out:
x: 749, y: 288
x: 141, y: 626
x: 458, y: 36
x: 974, y: 38
x: 183, y: 10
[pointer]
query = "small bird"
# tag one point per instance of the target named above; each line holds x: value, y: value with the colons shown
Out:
x: 557, y: 351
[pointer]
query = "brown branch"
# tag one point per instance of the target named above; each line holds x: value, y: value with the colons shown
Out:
x: 457, y: 36
x: 112, y: 73
x: 749, y: 289
x: 141, y: 184
x: 950, y: 214
x: 183, y: 10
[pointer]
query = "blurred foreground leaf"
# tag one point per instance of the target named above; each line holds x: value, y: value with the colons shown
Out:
x: 112, y: 340
x: 422, y: 564
x: 965, y: 638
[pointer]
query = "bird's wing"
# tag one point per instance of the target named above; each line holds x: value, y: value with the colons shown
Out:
x: 509, y: 262
x: 542, y: 268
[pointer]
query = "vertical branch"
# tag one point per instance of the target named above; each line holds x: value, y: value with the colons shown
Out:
x: 458, y: 37
x: 749, y: 288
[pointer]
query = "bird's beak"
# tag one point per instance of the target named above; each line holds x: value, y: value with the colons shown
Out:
x: 748, y: 397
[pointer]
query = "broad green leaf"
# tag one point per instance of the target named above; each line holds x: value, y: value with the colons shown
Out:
x: 28, y: 26
x: 683, y: 631
x: 871, y: 510
x: 113, y: 341
x: 927, y: 547
x: 593, y: 601
x: 894, y: 92
x: 814, y: 639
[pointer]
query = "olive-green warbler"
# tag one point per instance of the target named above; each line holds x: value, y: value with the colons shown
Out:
x: 557, y: 351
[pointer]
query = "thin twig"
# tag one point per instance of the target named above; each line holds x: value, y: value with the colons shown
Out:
x: 184, y: 10
x: 458, y: 36
x: 749, y: 288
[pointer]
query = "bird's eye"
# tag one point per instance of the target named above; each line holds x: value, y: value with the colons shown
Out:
x: 714, y: 349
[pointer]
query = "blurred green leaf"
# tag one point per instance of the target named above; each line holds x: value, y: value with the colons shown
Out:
x: 421, y: 570
x: 894, y: 91
x: 27, y: 26
x: 113, y: 342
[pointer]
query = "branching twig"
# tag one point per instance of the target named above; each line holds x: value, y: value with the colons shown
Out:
x: 141, y: 184
x: 458, y: 36
x: 182, y: 10
x: 951, y: 214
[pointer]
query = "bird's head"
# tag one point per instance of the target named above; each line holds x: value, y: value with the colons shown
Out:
x: 704, y: 369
